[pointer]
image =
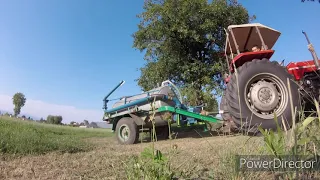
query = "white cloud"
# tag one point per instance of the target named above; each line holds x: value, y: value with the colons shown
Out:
x: 42, y: 109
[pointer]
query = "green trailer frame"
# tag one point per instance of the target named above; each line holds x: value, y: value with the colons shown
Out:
x: 129, y: 119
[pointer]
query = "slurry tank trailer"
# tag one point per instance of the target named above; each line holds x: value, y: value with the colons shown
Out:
x: 131, y: 114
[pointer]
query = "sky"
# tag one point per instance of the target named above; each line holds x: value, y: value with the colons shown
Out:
x: 65, y: 56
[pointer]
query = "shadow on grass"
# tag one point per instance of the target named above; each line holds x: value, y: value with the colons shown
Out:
x: 187, y: 132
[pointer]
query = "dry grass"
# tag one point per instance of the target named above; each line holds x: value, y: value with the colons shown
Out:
x: 194, y: 157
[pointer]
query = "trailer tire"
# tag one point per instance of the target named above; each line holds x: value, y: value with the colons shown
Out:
x: 254, y: 92
x: 127, y: 131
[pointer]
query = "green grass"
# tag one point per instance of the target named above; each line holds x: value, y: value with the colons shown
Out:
x: 23, y: 137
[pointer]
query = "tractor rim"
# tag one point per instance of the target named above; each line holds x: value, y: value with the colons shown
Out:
x: 266, y: 94
x: 124, y: 132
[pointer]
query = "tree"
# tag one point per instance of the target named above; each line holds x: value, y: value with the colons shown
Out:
x: 50, y: 119
x: 86, y: 122
x: 57, y: 119
x: 19, y: 101
x: 54, y: 119
x: 184, y: 41
x: 42, y: 120
x: 93, y: 125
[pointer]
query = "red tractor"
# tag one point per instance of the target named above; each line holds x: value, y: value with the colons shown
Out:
x: 257, y: 89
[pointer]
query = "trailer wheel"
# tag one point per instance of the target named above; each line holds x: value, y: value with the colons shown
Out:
x: 263, y: 91
x: 127, y: 131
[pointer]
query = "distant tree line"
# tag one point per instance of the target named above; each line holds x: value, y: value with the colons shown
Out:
x: 53, y: 119
x: 19, y: 100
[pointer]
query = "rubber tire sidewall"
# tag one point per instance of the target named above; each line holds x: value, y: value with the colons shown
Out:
x: 133, y: 128
x: 245, y: 72
x: 224, y: 107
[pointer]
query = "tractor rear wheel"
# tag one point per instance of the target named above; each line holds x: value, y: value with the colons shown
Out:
x: 228, y: 124
x: 127, y: 131
x: 256, y: 91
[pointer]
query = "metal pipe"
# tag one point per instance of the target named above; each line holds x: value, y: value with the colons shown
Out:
x: 139, y: 102
x: 263, y: 44
x: 225, y: 53
x: 105, y: 101
x: 175, y: 87
x: 234, y: 41
x: 313, y: 53
x: 227, y: 59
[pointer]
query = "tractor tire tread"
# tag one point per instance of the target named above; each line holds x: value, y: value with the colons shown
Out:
x: 232, y: 103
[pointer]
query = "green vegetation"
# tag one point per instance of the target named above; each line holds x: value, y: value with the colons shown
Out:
x: 303, y: 139
x: 24, y: 137
x: 184, y: 41
x: 54, y: 119
x: 19, y: 101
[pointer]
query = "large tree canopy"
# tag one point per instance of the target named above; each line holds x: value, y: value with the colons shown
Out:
x: 184, y: 41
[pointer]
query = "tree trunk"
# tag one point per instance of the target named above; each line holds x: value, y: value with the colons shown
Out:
x: 199, y: 97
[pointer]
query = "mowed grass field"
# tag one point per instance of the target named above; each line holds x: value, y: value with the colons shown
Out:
x: 18, y: 137
x: 32, y: 150
x: 41, y: 151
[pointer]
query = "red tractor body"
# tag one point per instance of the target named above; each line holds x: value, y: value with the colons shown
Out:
x: 300, y: 69
x: 248, y: 56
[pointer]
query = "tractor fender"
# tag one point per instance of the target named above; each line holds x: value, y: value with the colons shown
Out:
x: 137, y: 119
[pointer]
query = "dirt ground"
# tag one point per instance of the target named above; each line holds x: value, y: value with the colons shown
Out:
x: 197, y: 157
